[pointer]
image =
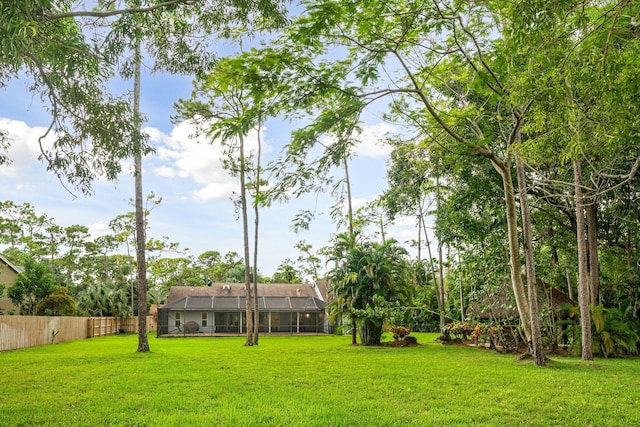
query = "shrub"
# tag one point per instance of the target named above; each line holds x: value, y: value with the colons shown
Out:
x: 399, y: 332
x: 611, y: 334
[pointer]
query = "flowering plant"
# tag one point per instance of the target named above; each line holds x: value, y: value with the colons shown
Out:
x: 399, y: 332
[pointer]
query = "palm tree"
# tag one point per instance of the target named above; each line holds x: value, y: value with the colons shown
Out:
x: 340, y: 279
x: 364, y: 279
x: 103, y: 299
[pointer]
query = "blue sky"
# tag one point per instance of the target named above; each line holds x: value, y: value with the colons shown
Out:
x: 196, y: 209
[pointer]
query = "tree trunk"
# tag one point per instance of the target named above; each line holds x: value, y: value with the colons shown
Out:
x: 419, y: 248
x: 504, y: 168
x: 143, y: 343
x: 462, y: 313
x: 594, y: 264
x: 537, y: 351
x: 354, y: 332
x: 245, y: 238
x: 436, y: 283
x: 354, y: 324
x: 569, y: 283
x: 349, y: 201
x: 370, y: 332
x: 256, y: 208
x: 584, y: 296
x: 442, y: 293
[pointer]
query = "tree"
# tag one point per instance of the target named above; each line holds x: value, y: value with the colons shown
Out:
x: 74, y: 238
x: 141, y: 225
x: 228, y: 109
x: 286, y: 273
x: 309, y: 263
x: 365, y: 277
x: 89, y: 130
x: 431, y: 60
x: 31, y: 286
x: 411, y: 185
x: 103, y: 299
x: 579, y: 114
x: 59, y: 303
x: 68, y: 54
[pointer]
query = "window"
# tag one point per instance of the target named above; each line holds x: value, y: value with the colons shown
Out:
x: 204, y: 320
x: 178, y: 319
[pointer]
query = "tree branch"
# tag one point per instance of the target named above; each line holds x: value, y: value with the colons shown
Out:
x: 98, y: 14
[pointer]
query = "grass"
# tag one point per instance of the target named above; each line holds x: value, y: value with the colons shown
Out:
x: 306, y: 381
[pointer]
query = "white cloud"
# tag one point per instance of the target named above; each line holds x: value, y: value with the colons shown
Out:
x: 99, y: 229
x: 24, y: 148
x: 165, y: 171
x: 357, y: 202
x: 405, y: 221
x: 215, y: 191
x: 186, y: 154
x: 372, y: 140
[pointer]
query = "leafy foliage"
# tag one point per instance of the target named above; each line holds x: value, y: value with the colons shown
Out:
x: 368, y: 280
x: 612, y: 334
x: 59, y: 303
x: 103, y: 299
x: 31, y: 286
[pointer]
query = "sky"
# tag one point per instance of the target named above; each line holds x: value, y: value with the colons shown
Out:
x: 196, y: 209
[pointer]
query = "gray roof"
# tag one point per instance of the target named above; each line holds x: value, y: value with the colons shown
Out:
x: 228, y: 303
x: 231, y: 297
x: 237, y: 290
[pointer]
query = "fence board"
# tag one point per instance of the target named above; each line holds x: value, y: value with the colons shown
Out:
x: 28, y: 331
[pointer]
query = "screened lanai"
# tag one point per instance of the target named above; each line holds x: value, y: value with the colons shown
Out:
x: 283, y: 309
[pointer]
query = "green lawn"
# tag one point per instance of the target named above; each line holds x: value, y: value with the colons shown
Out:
x: 306, y: 381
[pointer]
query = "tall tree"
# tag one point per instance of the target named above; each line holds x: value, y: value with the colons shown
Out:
x: 426, y: 58
x: 89, y: 130
x: 535, y: 345
x: 583, y: 276
x: 68, y: 55
x: 31, y: 286
x: 228, y: 109
x: 141, y: 228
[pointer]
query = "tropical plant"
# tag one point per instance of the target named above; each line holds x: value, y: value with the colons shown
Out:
x: 611, y: 334
x: 366, y: 277
x: 103, y: 299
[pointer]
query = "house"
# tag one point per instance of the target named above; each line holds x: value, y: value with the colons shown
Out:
x: 8, y: 273
x: 220, y: 309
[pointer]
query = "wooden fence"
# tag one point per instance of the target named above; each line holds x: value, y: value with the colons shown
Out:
x: 28, y: 331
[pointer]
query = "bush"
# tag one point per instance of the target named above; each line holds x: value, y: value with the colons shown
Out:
x: 611, y: 334
x: 399, y: 332
x: 59, y: 303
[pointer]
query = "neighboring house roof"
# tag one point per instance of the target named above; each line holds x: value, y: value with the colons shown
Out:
x: 8, y: 273
x: 231, y: 297
x: 15, y: 268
